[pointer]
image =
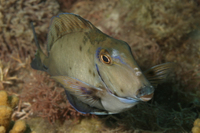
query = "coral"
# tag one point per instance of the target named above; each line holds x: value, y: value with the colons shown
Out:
x: 5, y: 109
x: 19, y: 127
x: 5, y: 116
x: 7, y: 103
x: 196, y: 127
x: 2, y: 129
x: 6, y: 100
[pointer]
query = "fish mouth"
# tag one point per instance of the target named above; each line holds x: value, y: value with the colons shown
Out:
x: 147, y: 97
x: 145, y: 93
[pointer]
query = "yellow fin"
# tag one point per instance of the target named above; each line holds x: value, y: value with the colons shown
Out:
x: 159, y: 73
x: 66, y: 23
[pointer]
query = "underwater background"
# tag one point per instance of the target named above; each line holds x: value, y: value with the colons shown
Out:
x: 157, y: 31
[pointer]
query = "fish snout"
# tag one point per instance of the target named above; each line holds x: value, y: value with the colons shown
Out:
x: 145, y: 93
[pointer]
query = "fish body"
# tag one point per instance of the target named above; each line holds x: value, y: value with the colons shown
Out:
x: 98, y: 72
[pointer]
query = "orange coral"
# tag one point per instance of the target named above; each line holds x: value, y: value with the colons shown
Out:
x: 5, y: 116
x: 19, y: 127
x: 7, y: 103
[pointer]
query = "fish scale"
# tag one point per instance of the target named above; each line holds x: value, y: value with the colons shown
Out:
x: 99, y: 73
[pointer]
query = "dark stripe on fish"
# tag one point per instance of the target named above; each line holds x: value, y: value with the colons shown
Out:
x: 97, y: 68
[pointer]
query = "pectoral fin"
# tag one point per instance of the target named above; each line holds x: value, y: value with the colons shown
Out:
x: 159, y: 73
x: 82, y: 96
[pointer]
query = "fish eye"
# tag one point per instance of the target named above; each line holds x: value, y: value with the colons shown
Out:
x: 105, y: 57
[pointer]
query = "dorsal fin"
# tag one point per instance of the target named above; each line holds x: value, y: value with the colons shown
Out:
x: 66, y: 23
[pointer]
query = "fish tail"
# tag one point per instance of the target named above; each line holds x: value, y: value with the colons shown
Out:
x: 37, y: 62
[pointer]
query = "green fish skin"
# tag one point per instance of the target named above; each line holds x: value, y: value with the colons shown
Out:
x: 99, y: 73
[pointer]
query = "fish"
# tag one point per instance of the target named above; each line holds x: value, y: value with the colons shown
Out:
x: 98, y: 72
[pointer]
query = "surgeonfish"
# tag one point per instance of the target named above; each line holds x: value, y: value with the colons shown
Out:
x: 99, y: 73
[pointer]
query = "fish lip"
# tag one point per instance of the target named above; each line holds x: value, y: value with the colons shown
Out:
x: 145, y: 93
x: 146, y: 98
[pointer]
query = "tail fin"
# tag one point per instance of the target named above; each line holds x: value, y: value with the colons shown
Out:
x: 37, y: 62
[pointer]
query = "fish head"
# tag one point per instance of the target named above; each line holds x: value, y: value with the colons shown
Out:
x: 120, y: 73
